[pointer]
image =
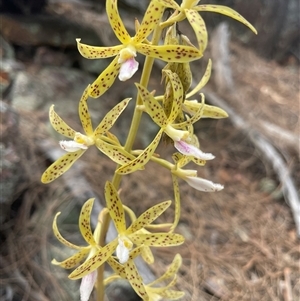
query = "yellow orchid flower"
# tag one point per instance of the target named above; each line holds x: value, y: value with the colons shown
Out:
x: 127, y: 237
x: 177, y: 132
x: 189, y: 9
x: 87, y: 252
x: 76, y: 148
x: 183, y: 140
x: 124, y: 62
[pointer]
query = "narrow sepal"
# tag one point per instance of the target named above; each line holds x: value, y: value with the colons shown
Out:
x: 158, y: 239
x: 74, y: 260
x: 199, y: 28
x: 151, y: 18
x: 148, y: 217
x: 95, y: 52
x: 59, y: 125
x: 203, y: 81
x: 136, y: 280
x: 116, y: 22
x: 115, y: 207
x: 111, y: 117
x: 85, y: 222
x: 95, y: 261
x: 59, y: 236
x: 140, y: 161
x: 60, y: 166
x: 170, y: 53
x: 224, y: 10
x: 114, y: 152
x: 105, y: 79
x: 84, y: 114
x: 152, y: 106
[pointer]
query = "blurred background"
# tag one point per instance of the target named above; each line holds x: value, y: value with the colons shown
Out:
x: 241, y: 243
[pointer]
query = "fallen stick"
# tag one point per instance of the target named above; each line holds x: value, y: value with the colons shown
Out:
x: 267, y: 150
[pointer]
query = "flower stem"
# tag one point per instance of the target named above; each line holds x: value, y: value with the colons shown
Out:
x: 137, y: 115
x: 103, y: 219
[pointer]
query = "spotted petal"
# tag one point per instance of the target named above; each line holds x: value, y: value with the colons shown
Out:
x: 114, y: 152
x: 169, y: 3
x: 177, y: 95
x: 116, y: 22
x: 111, y: 117
x: 95, y: 261
x: 105, y: 79
x: 203, y: 81
x: 153, y: 107
x: 171, y: 271
x: 199, y: 28
x: 96, y: 52
x: 148, y: 217
x: 59, y: 125
x: 151, y: 18
x: 85, y: 222
x: 170, y: 53
x: 135, y: 280
x: 59, y: 236
x: 158, y: 239
x: 74, y: 260
x: 224, y: 10
x: 60, y: 166
x: 115, y: 207
x: 84, y: 114
x: 140, y: 161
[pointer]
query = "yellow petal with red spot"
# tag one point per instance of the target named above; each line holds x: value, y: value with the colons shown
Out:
x: 115, y: 207
x: 224, y: 10
x: 60, y: 166
x: 169, y: 3
x: 203, y: 81
x: 59, y: 125
x: 140, y: 161
x: 171, y: 271
x: 95, y: 261
x: 158, y: 239
x: 152, y: 16
x: 199, y: 28
x: 105, y: 79
x: 59, y: 236
x: 153, y: 107
x: 116, y: 22
x: 85, y: 222
x: 74, y: 260
x: 177, y: 95
x: 114, y: 152
x: 170, y: 53
x: 135, y: 280
x: 147, y: 217
x: 96, y: 52
x: 111, y: 117
x: 84, y: 114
